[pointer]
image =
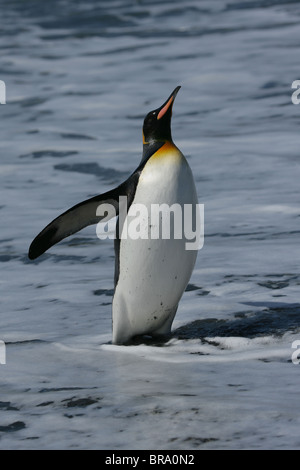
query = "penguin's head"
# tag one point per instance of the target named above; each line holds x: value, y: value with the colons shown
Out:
x: 157, y: 123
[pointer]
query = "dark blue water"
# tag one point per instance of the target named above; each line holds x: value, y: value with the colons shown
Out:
x: 80, y: 77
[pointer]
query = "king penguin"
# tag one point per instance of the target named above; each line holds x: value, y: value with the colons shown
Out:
x: 151, y: 273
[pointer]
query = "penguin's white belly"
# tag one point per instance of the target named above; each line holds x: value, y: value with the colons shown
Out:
x: 153, y: 273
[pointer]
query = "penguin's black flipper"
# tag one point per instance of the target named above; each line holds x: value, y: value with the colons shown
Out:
x: 80, y: 216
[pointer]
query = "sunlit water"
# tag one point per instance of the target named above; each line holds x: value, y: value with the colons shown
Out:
x: 80, y: 77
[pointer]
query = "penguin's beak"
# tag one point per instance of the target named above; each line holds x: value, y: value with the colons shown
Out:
x: 168, y: 104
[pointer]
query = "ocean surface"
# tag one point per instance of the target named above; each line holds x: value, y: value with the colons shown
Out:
x: 80, y: 77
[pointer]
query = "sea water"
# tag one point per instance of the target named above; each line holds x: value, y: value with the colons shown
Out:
x: 80, y: 77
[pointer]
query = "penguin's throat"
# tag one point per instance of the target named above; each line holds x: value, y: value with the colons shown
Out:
x: 149, y: 148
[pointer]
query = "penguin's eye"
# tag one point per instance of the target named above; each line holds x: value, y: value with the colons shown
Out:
x: 152, y: 116
x: 150, y: 121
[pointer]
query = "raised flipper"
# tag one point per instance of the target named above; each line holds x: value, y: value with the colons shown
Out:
x: 80, y: 216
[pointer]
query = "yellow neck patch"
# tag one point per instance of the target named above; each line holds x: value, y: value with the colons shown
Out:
x: 167, y: 150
